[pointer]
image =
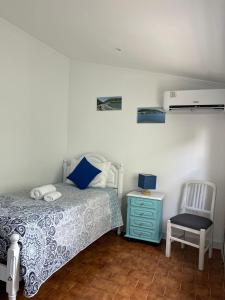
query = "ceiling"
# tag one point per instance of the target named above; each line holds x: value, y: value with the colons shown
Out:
x: 180, y: 37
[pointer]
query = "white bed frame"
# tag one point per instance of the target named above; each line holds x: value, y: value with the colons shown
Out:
x: 10, y: 273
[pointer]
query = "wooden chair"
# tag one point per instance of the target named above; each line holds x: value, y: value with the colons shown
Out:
x: 197, y: 213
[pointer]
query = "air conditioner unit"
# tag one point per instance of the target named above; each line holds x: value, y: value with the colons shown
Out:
x: 195, y: 100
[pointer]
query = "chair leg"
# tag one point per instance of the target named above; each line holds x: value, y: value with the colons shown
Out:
x: 211, y: 243
x: 201, y: 250
x: 168, y: 239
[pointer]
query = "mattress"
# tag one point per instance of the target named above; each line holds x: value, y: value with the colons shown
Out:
x: 52, y: 233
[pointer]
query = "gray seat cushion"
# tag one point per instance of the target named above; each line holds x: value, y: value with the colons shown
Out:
x: 191, y: 221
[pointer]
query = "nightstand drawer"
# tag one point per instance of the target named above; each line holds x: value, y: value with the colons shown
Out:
x: 145, y: 223
x: 141, y: 233
x: 143, y: 213
x: 145, y: 203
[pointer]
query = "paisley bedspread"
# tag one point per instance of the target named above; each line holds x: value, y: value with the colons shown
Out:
x: 52, y: 233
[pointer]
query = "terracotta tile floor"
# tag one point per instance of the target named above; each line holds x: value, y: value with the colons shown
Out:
x: 116, y: 269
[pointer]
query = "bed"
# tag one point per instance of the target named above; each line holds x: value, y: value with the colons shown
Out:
x: 37, y: 237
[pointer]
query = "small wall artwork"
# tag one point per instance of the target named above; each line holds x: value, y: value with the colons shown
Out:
x: 150, y: 115
x: 109, y: 103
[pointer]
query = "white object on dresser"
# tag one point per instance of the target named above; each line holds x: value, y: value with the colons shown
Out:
x: 154, y: 195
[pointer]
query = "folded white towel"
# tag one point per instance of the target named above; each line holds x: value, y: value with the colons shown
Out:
x: 52, y: 196
x: 39, y: 192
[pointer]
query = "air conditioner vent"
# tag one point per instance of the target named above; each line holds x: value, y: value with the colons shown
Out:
x: 197, y: 106
x: 195, y: 100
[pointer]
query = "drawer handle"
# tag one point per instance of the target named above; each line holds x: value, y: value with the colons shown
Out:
x: 141, y: 214
x: 142, y: 203
x: 138, y: 233
x: 140, y: 224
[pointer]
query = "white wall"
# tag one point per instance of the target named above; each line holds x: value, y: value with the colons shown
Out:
x: 34, y: 81
x: 187, y: 146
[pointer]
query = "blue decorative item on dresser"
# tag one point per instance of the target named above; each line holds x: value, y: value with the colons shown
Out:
x: 144, y: 216
x: 147, y: 182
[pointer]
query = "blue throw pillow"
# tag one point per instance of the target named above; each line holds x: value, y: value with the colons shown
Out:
x: 83, y: 174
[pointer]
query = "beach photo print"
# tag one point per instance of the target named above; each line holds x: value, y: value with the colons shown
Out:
x: 150, y: 115
x: 109, y: 103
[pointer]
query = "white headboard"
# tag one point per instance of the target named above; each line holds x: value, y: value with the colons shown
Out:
x: 115, y: 177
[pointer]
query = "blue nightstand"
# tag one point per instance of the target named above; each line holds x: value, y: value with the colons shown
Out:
x: 144, y: 216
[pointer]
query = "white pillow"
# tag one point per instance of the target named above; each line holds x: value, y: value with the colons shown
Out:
x: 100, y: 180
x: 70, y: 167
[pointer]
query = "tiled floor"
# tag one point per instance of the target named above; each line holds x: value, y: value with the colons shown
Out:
x: 117, y: 269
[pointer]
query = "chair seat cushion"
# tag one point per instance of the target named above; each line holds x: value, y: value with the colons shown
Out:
x: 191, y: 221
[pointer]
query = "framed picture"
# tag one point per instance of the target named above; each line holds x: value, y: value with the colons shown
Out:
x: 109, y: 103
x: 150, y: 115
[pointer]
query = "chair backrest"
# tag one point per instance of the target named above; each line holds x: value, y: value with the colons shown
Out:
x: 199, y: 198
